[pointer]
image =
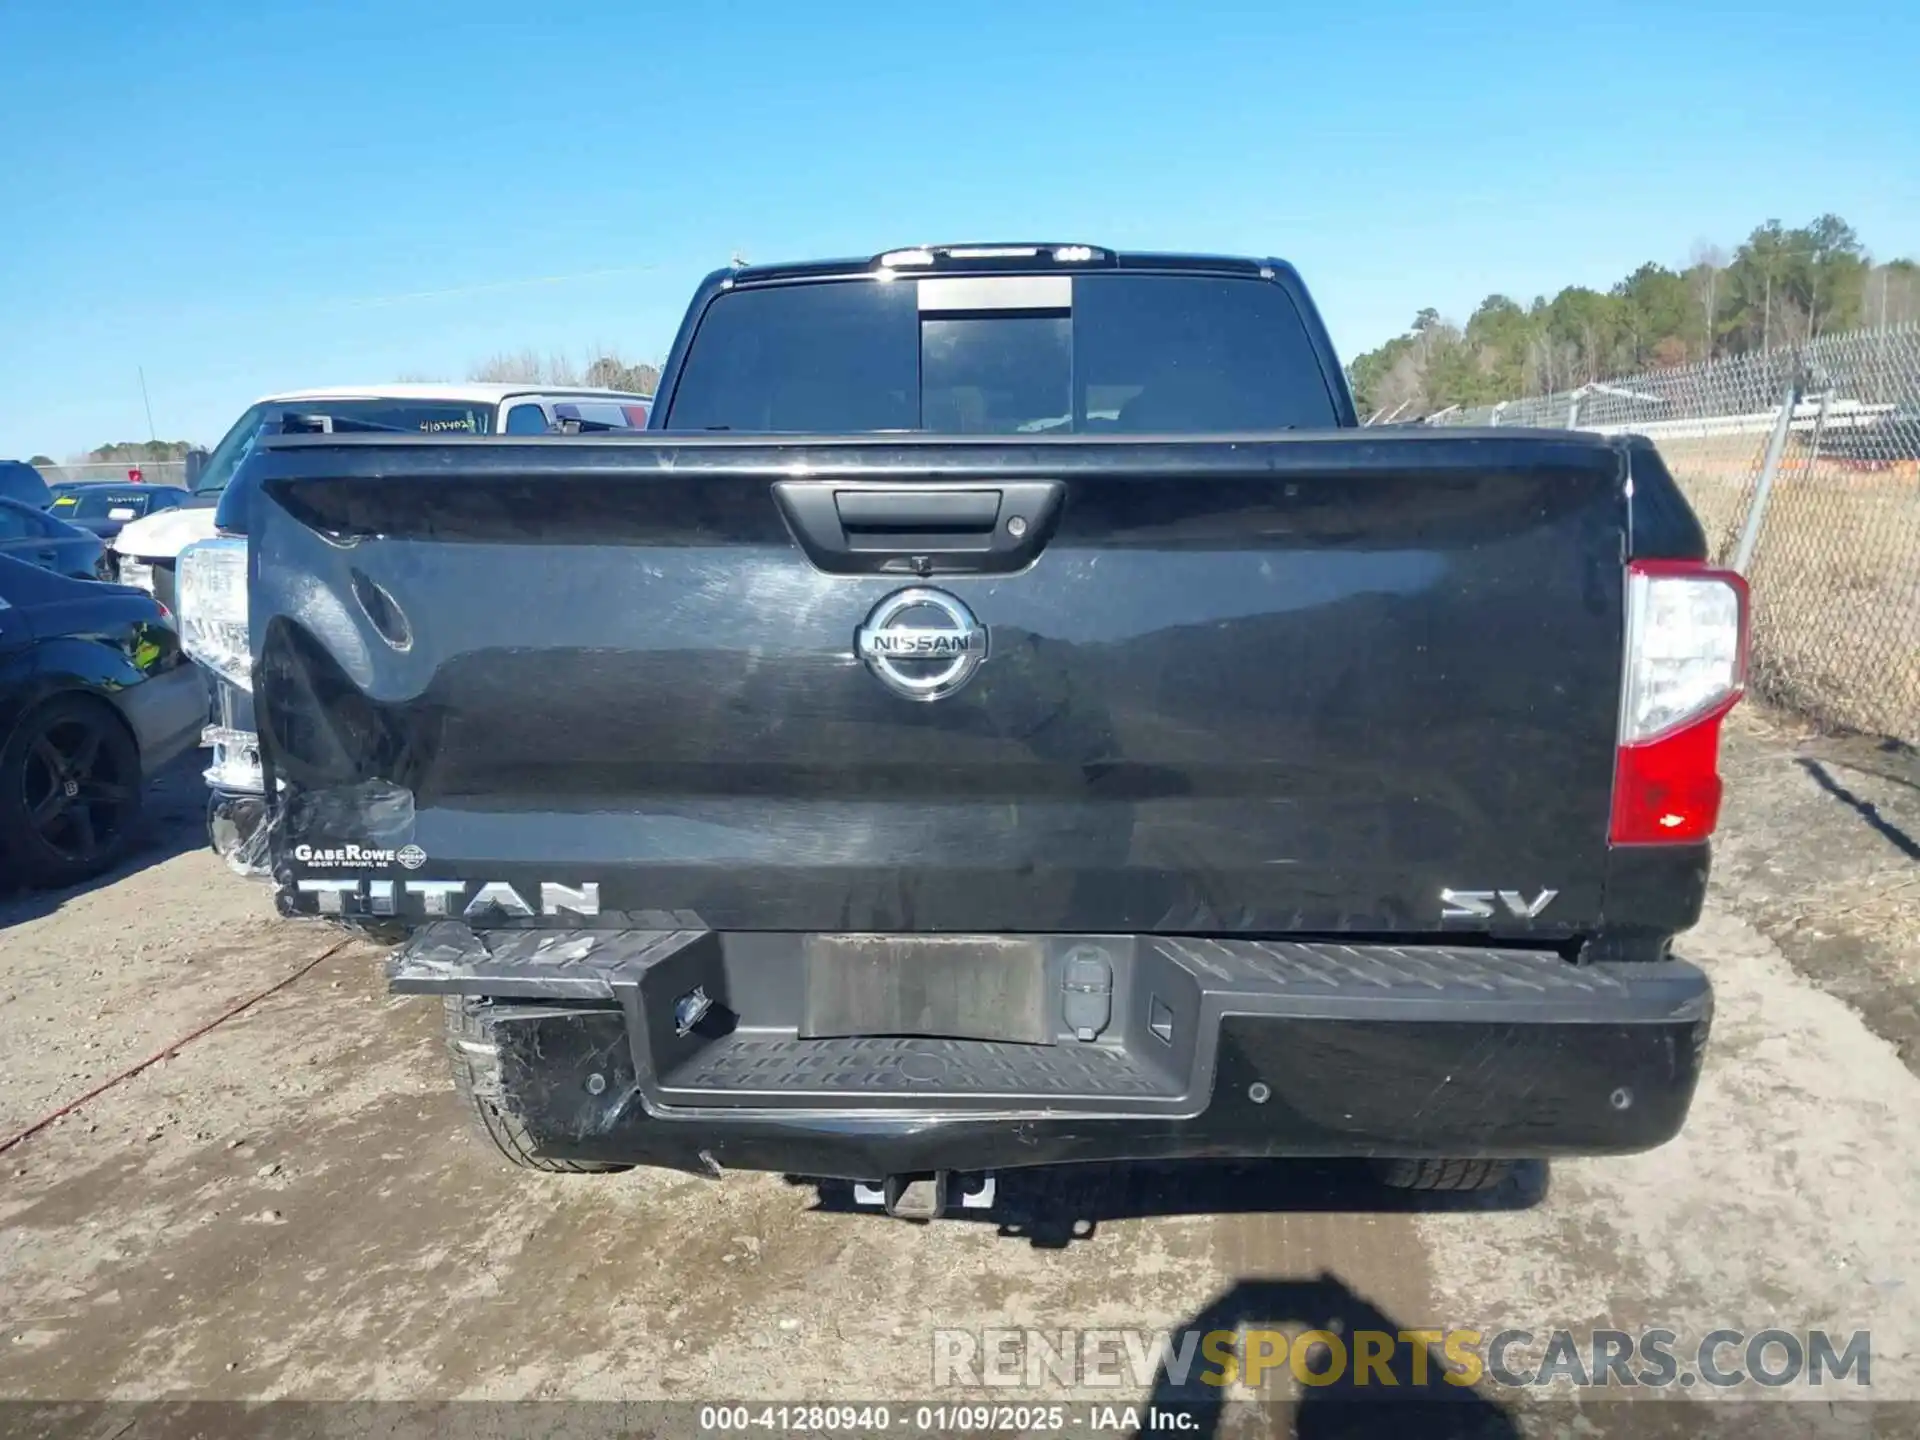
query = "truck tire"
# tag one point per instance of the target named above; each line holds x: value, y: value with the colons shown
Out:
x: 475, y: 1077
x: 1449, y: 1175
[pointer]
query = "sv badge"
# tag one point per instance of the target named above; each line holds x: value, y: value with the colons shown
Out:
x: 1480, y: 904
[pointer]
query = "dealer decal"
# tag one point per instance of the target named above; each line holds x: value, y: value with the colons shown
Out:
x: 358, y: 857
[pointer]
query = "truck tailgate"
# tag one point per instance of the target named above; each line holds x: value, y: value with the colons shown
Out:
x: 1292, y: 684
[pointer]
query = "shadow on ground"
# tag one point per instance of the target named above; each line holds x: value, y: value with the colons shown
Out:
x: 1871, y: 813
x: 1403, y: 1391
x: 173, y: 821
x: 1052, y: 1206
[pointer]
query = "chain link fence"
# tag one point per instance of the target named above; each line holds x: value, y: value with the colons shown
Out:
x: 1831, y: 529
x: 152, y: 472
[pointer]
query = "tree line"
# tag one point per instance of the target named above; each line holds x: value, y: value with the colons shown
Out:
x: 125, y: 452
x: 606, y: 371
x: 1779, y: 287
x: 136, y: 452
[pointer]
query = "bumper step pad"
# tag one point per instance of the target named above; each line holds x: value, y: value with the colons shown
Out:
x: 743, y: 1064
x: 1439, y: 982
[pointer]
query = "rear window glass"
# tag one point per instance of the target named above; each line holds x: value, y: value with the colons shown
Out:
x: 840, y: 357
x: 995, y: 374
x: 578, y: 415
x: 602, y: 414
x: 399, y: 417
x: 343, y: 417
x: 1137, y: 354
x: 91, y: 504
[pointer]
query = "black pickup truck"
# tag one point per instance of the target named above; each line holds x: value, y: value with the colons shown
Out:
x: 1007, y: 712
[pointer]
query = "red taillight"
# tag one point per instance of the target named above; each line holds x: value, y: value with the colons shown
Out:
x: 1668, y: 791
x: 1686, y: 666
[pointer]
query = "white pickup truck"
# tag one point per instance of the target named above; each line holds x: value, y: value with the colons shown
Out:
x: 147, y: 552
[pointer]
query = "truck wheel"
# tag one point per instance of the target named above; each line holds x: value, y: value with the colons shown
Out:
x: 1454, y: 1175
x: 476, y: 1077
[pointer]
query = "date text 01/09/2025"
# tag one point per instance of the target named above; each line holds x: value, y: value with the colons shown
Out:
x: 850, y: 1419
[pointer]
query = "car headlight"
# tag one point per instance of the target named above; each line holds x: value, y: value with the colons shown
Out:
x: 212, y: 601
x: 136, y: 572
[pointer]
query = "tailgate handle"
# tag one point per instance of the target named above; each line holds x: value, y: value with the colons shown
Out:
x: 850, y: 527
x: 947, y: 511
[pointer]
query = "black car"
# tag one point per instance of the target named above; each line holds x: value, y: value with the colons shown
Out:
x: 20, y: 481
x: 39, y: 538
x: 95, y: 694
x: 105, y: 507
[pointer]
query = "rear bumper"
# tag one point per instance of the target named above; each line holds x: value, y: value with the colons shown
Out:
x: 1271, y: 1050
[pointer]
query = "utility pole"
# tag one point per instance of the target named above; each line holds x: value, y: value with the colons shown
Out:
x: 1713, y: 290
x: 151, y: 434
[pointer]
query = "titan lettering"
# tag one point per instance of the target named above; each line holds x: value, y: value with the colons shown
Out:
x: 497, y: 895
x: 330, y: 894
x: 436, y: 896
x: 579, y: 899
x: 442, y: 898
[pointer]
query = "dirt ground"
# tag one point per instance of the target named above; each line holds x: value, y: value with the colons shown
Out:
x: 290, y: 1208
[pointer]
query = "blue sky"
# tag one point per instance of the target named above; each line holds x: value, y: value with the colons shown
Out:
x: 243, y: 197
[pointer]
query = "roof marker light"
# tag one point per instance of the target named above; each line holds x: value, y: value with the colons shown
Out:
x: 1073, y: 254
x: 893, y: 259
